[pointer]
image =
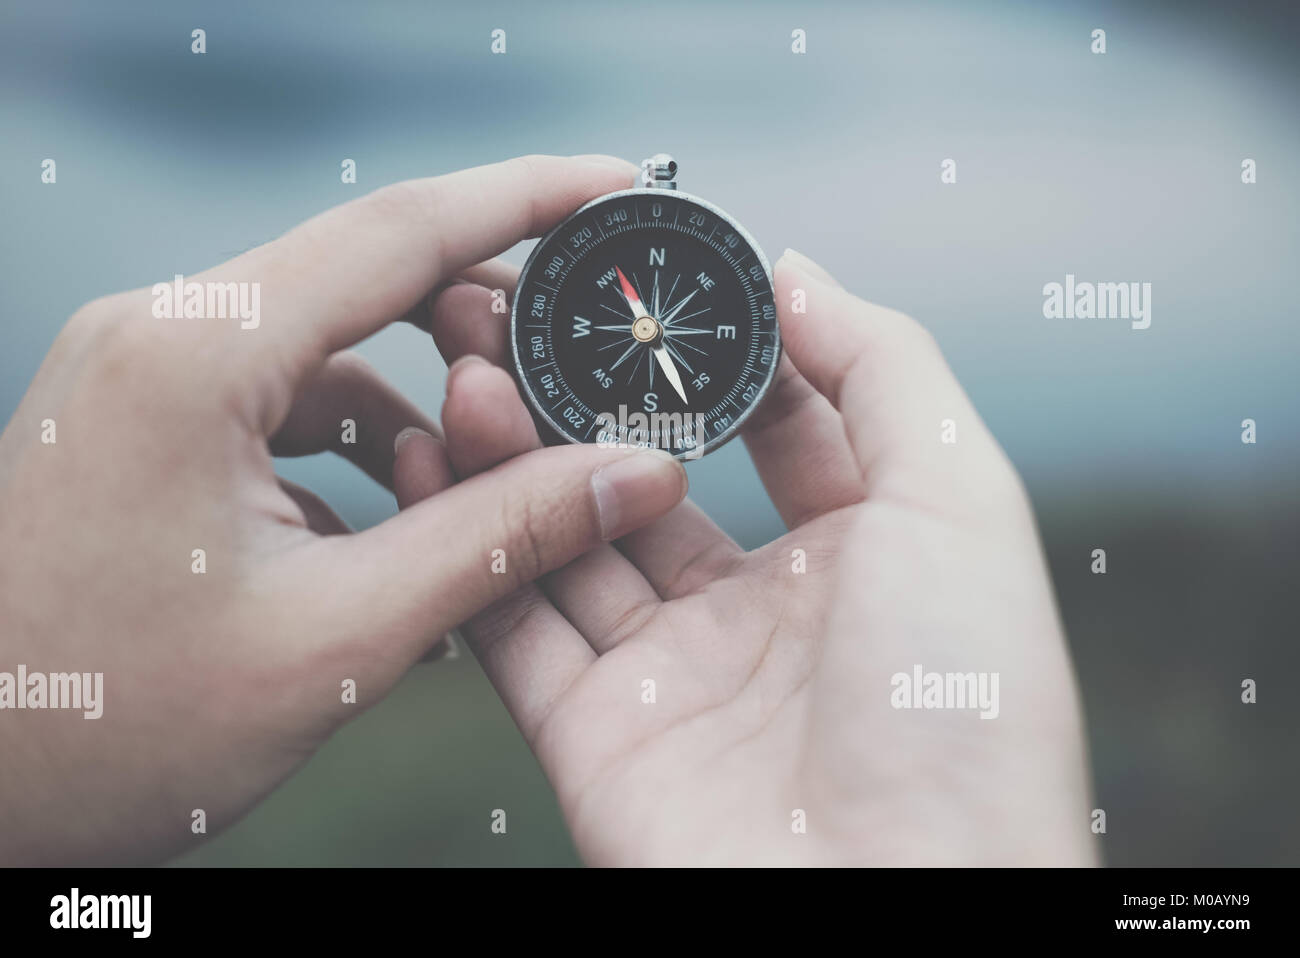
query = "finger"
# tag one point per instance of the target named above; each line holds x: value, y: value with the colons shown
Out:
x: 485, y: 422
x: 324, y: 521
x: 464, y: 324
x: 348, y: 408
x: 320, y: 518
x: 341, y: 276
x: 600, y: 593
x: 914, y: 433
x: 797, y: 442
x: 421, y: 469
x: 530, y: 652
x: 604, y: 595
x: 415, y: 576
x: 682, y: 552
x: 495, y: 275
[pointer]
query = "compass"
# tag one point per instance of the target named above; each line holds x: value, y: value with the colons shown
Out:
x: 646, y: 318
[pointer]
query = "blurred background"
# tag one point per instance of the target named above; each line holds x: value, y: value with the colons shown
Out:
x: 1122, y: 167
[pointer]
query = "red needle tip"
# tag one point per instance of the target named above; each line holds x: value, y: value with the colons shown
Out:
x: 628, y: 291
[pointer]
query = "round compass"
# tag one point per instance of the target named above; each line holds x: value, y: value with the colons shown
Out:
x: 646, y: 318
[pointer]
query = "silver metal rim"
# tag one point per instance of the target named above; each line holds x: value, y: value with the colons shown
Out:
x: 734, y: 429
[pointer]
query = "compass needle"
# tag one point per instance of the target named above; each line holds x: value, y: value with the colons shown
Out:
x: 670, y: 370
x: 674, y: 354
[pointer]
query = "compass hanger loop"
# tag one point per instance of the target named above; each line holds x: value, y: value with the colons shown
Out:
x: 659, y: 172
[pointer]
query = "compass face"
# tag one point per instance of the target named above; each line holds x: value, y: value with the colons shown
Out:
x: 646, y: 318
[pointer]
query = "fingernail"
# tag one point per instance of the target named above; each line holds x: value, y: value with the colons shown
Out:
x: 799, y: 261
x: 444, y: 648
x: 405, y: 434
x: 463, y: 363
x: 635, y: 490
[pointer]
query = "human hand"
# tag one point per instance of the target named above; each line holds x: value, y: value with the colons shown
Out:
x: 217, y: 685
x: 773, y: 687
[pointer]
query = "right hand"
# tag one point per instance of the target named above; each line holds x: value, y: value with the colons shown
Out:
x: 773, y: 686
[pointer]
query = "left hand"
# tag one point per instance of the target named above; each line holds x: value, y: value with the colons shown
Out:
x: 222, y: 670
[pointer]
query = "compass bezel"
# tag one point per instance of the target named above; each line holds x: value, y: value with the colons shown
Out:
x: 733, y: 429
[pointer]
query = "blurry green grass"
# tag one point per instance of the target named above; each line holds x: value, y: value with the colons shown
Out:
x: 1200, y: 593
x: 412, y: 781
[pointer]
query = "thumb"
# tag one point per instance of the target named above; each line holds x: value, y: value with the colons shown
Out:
x: 885, y: 374
x: 442, y: 560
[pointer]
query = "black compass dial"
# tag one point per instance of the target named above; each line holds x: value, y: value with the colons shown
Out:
x: 646, y: 318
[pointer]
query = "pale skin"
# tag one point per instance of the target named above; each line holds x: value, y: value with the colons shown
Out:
x: 772, y: 687
x: 217, y: 685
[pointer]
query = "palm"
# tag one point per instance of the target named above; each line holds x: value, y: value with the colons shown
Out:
x: 694, y: 703
x: 730, y: 654
x: 766, y: 708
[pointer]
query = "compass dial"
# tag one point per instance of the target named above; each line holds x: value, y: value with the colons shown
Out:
x: 646, y: 318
